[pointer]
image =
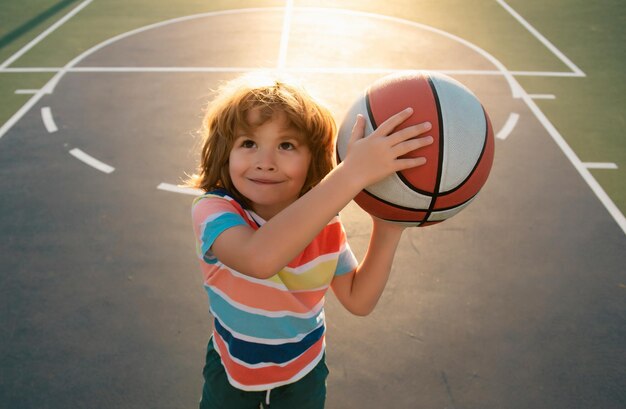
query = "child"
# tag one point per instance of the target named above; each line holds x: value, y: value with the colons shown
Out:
x: 270, y: 242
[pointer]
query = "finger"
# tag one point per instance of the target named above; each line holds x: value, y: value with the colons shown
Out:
x: 358, y: 130
x: 412, y: 144
x: 393, y: 121
x: 408, y: 163
x: 409, y: 132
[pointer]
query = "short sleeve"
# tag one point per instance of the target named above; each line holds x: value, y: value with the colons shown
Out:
x: 346, y: 262
x: 211, y: 217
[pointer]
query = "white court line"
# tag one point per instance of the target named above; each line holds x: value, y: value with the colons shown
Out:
x: 284, y: 37
x: 517, y: 90
x: 48, y: 120
x: 21, y: 112
x: 578, y: 165
x: 43, y: 35
x: 600, y: 165
x: 316, y: 70
x: 508, y: 127
x: 27, y: 70
x: 26, y: 91
x: 543, y: 40
x: 91, y: 161
x: 542, y: 96
x: 512, y: 82
x: 178, y: 189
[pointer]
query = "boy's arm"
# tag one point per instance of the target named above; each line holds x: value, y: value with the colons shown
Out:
x: 360, y: 290
x: 262, y: 253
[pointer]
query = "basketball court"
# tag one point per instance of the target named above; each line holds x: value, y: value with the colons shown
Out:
x: 517, y: 302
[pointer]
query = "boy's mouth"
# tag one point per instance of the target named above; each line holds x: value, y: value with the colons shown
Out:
x: 265, y: 181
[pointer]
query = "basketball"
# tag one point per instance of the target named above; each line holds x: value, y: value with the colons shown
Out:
x: 458, y: 161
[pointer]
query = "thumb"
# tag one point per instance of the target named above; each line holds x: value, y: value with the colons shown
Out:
x: 358, y: 130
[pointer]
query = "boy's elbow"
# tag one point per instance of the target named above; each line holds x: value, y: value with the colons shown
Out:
x: 263, y: 268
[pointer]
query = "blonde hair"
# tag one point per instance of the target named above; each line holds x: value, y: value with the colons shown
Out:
x: 269, y: 94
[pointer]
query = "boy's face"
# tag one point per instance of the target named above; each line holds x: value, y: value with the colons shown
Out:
x: 269, y: 164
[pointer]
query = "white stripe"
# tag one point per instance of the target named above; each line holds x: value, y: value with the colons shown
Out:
x: 266, y: 283
x: 541, y: 38
x: 273, y: 341
x: 48, y: 120
x: 180, y: 189
x: 284, y: 37
x: 584, y: 172
x: 315, y: 310
x: 508, y: 127
x: 26, y: 91
x: 600, y: 165
x: 542, y: 96
x: 43, y: 35
x: 214, y: 216
x: 91, y: 161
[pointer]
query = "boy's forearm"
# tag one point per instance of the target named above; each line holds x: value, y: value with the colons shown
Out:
x: 371, y: 276
x: 297, y: 225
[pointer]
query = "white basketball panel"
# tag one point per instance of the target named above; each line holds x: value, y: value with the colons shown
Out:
x: 439, y: 215
x: 393, y: 190
x: 464, y: 129
x: 345, y: 130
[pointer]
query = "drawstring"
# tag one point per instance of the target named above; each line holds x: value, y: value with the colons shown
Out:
x: 267, y: 397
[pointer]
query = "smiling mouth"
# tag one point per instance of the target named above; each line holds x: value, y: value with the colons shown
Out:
x: 265, y: 181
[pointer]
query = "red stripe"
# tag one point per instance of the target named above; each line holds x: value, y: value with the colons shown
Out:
x: 328, y: 241
x: 260, y: 296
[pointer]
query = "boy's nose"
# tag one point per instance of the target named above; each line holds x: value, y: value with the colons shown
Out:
x: 265, y: 161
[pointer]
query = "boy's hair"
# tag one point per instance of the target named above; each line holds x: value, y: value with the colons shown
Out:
x: 269, y: 94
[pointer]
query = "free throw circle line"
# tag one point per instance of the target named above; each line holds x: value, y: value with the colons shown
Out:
x: 508, y: 127
x: 91, y: 161
x: 48, y: 120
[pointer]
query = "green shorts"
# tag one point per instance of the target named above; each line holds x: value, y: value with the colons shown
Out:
x: 217, y: 393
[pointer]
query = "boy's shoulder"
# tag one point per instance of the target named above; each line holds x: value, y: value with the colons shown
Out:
x: 215, y: 202
x: 221, y: 195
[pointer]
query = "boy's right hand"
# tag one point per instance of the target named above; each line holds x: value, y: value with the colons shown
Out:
x: 371, y: 159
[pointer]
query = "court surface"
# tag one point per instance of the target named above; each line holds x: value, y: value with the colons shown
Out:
x: 517, y: 302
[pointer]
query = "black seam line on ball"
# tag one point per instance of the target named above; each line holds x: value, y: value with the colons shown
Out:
x: 411, y: 209
x: 441, y: 147
x: 370, y: 114
x: 480, y: 157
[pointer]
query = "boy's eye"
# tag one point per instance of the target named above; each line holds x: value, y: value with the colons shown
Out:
x: 247, y: 144
x: 286, y: 146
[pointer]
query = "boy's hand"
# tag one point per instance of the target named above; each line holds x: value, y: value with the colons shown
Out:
x: 373, y: 158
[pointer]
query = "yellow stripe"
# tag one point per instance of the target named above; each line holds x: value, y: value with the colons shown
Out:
x: 318, y: 276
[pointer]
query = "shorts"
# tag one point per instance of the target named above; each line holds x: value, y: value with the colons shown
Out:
x: 217, y: 393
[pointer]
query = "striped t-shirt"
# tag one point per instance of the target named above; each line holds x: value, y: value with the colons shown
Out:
x: 268, y: 332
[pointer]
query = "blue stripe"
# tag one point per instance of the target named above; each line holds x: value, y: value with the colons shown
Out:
x: 260, y: 326
x: 254, y: 353
x: 346, y: 262
x: 216, y: 227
